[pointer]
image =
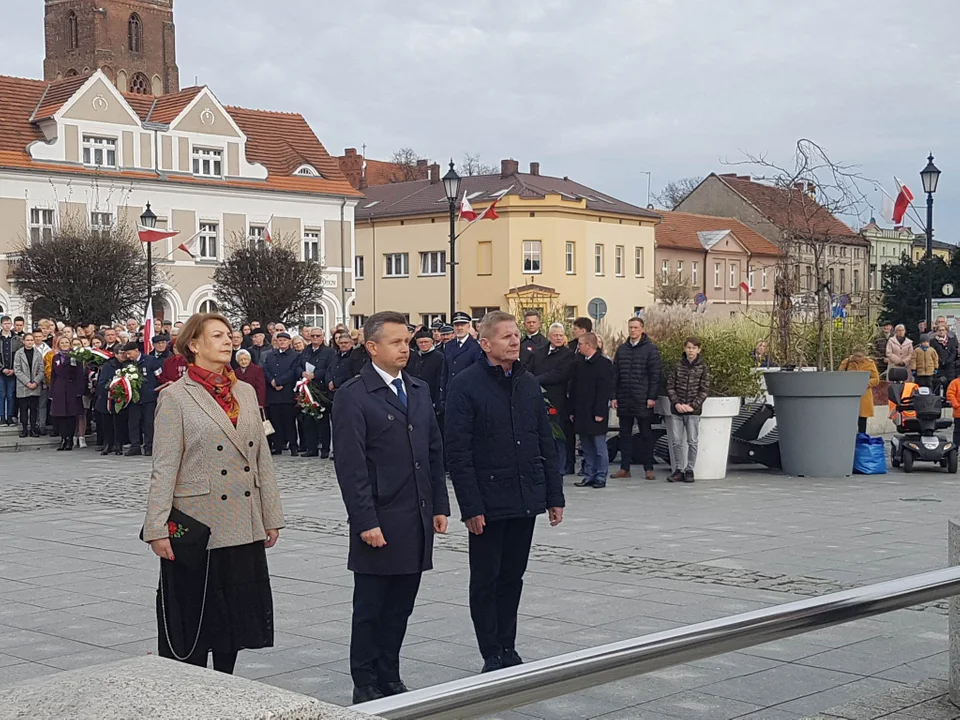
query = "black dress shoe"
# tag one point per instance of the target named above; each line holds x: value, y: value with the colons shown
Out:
x: 584, y: 483
x: 118, y: 451
x: 106, y: 451
x: 510, y: 658
x: 148, y: 453
x: 366, y: 693
x: 492, y: 663
x: 23, y: 432
x: 393, y: 688
x: 325, y: 454
x: 276, y: 452
x: 133, y: 452
x: 34, y: 433
x: 310, y: 453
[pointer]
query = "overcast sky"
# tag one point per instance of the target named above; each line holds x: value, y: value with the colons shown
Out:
x: 602, y: 91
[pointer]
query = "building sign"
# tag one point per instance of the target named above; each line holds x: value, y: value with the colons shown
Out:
x: 328, y: 280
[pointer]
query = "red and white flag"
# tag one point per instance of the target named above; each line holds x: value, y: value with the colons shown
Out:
x: 268, y: 231
x: 466, y: 210
x: 746, y: 288
x: 893, y: 209
x: 102, y: 354
x: 148, y: 329
x: 192, y: 246
x: 152, y: 235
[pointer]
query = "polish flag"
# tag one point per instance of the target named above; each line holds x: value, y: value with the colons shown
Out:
x: 900, y: 205
x: 491, y: 212
x: 152, y: 235
x: 192, y: 246
x: 746, y: 288
x: 268, y: 231
x: 148, y: 329
x: 466, y: 210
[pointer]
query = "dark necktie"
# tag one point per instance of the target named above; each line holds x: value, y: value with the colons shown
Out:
x: 398, y: 384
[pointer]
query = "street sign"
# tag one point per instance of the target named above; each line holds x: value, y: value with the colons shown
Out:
x: 597, y: 309
x: 700, y: 299
x: 349, y: 290
x: 947, y: 289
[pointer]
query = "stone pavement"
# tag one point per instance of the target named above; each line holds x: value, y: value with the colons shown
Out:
x: 78, y: 588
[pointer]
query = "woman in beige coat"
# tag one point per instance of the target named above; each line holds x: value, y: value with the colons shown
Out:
x: 900, y: 349
x: 212, y: 462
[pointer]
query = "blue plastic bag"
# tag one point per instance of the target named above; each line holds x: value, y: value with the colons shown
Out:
x: 870, y: 457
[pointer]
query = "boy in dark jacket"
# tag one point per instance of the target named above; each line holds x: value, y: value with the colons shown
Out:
x: 591, y: 391
x: 687, y: 388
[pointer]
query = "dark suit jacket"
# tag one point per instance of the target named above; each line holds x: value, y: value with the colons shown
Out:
x: 459, y: 358
x: 150, y: 367
x: 284, y: 369
x: 553, y: 371
x: 591, y: 390
x: 529, y: 345
x: 428, y: 368
x: 389, y: 464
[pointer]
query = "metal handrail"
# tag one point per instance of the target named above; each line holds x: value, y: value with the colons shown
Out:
x: 481, y: 695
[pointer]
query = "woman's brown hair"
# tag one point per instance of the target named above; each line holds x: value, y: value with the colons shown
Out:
x: 192, y: 330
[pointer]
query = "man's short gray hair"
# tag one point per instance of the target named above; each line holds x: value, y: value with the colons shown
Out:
x: 558, y: 326
x: 492, y: 319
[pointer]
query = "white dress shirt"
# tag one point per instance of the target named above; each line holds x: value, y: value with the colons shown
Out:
x: 388, y: 379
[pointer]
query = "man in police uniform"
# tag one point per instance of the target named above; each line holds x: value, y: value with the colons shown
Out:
x: 446, y: 335
x: 461, y: 352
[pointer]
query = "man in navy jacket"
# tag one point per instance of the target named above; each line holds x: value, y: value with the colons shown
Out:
x: 140, y: 414
x: 281, y: 369
x: 389, y: 463
x: 461, y: 352
x: 504, y: 466
x: 319, y: 355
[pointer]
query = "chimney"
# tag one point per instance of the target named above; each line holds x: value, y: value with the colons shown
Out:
x: 743, y: 177
x: 434, y: 173
x: 534, y: 168
x: 422, y: 163
x: 351, y: 164
x: 350, y: 152
x: 509, y: 168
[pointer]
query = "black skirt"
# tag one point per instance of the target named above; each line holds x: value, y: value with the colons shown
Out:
x: 238, y: 612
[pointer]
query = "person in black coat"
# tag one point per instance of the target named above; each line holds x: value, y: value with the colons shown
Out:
x: 533, y: 340
x: 552, y: 365
x: 581, y: 326
x: 258, y: 346
x: 141, y: 413
x: 359, y: 356
x: 461, y: 352
x: 281, y: 368
x: 427, y: 364
x: 161, y: 351
x: 319, y: 355
x: 339, y: 369
x: 591, y: 390
x: 112, y: 437
x: 504, y: 468
x: 389, y: 464
x: 636, y: 368
x: 946, y: 347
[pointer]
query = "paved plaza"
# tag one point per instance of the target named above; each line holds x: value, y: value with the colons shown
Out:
x: 77, y: 587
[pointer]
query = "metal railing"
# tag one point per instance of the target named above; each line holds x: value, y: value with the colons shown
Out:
x: 481, y: 695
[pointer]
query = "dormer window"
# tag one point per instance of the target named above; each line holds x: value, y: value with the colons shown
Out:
x: 207, y: 162
x: 99, y: 151
x: 307, y: 171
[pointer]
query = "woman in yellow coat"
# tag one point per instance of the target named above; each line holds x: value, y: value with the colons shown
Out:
x: 859, y: 361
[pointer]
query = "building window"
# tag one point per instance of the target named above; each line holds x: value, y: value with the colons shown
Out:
x: 358, y: 321
x: 477, y: 313
x: 256, y: 235
x: 833, y: 281
x: 99, y: 151
x: 135, y: 34
x: 638, y: 262
x: 618, y: 261
x: 856, y: 281
x: 694, y: 268
x: 433, y: 263
x: 101, y: 221
x: 733, y: 276
x: 311, y: 245
x: 832, y: 251
x: 843, y: 251
x: 531, y: 256
x: 750, y: 277
x: 396, y: 265
x: 680, y: 270
x: 41, y: 224
x: 569, y: 313
x: 140, y: 84
x: 207, y: 162
x: 208, y: 306
x: 208, y: 241
x: 571, y: 253
x: 809, y: 276
x: 485, y: 257
x: 716, y: 275
x: 638, y: 310
x: 428, y: 319
x: 358, y: 267
x: 598, y: 262
x: 315, y: 316
x: 843, y: 280
x: 763, y: 278
x: 73, y: 31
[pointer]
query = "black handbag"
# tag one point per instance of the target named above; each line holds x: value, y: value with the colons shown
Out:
x: 188, y: 540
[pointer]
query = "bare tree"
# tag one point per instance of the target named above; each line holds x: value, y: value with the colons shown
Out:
x: 267, y: 282
x: 472, y: 165
x: 407, y: 161
x: 675, y: 191
x: 87, y: 275
x: 671, y: 289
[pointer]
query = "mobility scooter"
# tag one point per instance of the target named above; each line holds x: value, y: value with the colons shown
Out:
x: 915, y: 411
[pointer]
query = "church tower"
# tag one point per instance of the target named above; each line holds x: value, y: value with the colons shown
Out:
x: 132, y: 41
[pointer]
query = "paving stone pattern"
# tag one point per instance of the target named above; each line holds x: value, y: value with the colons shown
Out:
x: 76, y: 587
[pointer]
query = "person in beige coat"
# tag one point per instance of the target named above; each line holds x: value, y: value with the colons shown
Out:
x: 211, y: 461
x: 900, y: 349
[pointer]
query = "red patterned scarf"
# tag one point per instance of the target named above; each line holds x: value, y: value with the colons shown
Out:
x: 220, y: 386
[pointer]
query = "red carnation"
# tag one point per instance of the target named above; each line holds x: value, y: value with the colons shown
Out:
x: 552, y: 411
x: 171, y: 527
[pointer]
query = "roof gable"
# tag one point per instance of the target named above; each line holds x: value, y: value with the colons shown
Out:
x: 200, y: 113
x: 689, y: 231
x: 95, y: 100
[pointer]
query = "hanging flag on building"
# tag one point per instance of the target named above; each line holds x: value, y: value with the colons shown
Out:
x: 268, y: 231
x: 152, y: 235
x: 192, y: 246
x: 746, y: 288
x: 892, y: 209
x: 466, y: 209
x: 148, y: 329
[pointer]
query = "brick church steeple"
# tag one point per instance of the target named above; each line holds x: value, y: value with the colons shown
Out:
x: 132, y: 41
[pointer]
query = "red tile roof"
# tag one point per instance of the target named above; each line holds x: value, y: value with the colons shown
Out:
x: 679, y: 230
x: 790, y: 209
x: 281, y: 142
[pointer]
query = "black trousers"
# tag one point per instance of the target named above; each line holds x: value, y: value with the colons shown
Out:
x: 861, y: 425
x: 140, y: 419
x: 316, y: 433
x: 644, y: 453
x: 570, y: 462
x: 284, y: 419
x: 29, y: 407
x: 956, y: 430
x: 105, y: 423
x: 121, y: 427
x: 223, y: 662
x: 382, y: 605
x: 67, y: 427
x: 498, y: 560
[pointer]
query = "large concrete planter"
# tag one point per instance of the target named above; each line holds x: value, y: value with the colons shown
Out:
x: 817, y: 419
x: 714, y: 445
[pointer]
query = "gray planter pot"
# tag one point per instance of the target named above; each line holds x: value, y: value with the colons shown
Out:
x: 817, y: 418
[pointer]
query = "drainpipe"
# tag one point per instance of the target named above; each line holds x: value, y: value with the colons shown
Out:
x: 343, y: 271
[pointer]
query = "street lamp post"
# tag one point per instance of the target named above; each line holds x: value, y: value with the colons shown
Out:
x: 930, y: 176
x: 451, y: 187
x: 149, y: 220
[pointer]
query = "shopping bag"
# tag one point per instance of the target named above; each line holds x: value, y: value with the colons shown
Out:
x: 869, y: 457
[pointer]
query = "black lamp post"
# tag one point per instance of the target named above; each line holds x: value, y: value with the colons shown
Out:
x: 930, y: 176
x: 451, y: 187
x: 149, y: 220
